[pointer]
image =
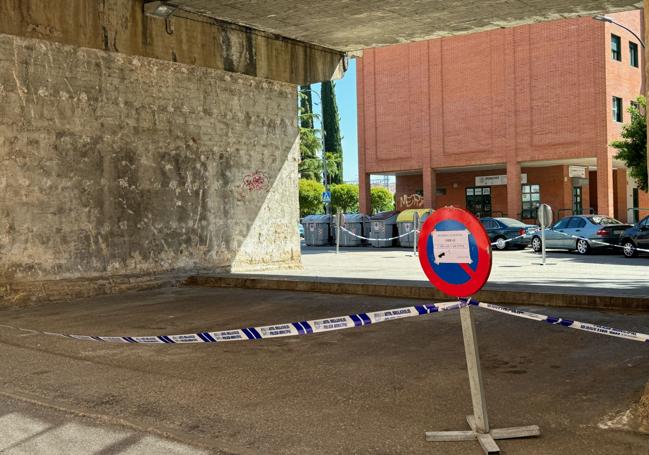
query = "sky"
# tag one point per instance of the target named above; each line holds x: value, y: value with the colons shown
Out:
x: 346, y: 100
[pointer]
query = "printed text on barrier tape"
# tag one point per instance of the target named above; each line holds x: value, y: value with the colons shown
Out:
x: 585, y: 326
x: 272, y: 331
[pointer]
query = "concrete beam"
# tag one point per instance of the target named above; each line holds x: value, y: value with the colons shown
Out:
x: 123, y: 26
x: 358, y: 24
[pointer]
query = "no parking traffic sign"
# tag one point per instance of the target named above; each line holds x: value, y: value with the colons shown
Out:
x: 455, y: 252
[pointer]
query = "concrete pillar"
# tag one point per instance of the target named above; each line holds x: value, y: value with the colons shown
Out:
x: 620, y: 194
x: 646, y: 59
x: 364, y: 193
x: 605, y: 204
x: 513, y: 189
x: 430, y: 188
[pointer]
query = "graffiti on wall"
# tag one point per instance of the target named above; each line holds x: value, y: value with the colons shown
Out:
x: 410, y: 201
x: 253, y: 182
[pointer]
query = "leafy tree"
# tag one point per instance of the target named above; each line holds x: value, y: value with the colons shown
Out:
x: 382, y: 200
x: 633, y: 145
x: 310, y: 197
x: 344, y: 197
x: 333, y: 167
x: 310, y: 166
x: 331, y: 126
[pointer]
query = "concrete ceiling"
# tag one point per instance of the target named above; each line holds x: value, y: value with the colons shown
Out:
x: 357, y: 24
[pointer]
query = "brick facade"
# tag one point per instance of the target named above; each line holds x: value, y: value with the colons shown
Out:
x: 532, y: 99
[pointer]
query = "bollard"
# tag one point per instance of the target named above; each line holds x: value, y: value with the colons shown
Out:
x: 338, y: 219
x: 542, y: 244
x: 414, y: 234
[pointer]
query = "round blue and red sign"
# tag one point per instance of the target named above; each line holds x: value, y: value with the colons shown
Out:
x: 455, y: 252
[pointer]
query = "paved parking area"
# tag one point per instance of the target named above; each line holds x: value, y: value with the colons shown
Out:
x: 371, y: 390
x: 597, y: 273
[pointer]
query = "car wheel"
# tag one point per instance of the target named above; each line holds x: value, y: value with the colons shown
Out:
x: 582, y: 246
x: 500, y: 243
x: 536, y: 244
x: 629, y: 249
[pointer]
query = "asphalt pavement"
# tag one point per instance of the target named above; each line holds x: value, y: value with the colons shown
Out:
x: 369, y: 390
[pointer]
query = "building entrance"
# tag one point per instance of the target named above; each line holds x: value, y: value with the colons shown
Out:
x: 577, y: 207
x: 478, y: 200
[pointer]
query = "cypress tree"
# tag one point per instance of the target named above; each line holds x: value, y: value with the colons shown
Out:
x: 331, y: 126
x: 306, y: 107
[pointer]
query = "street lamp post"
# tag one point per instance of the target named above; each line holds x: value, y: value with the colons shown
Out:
x: 610, y: 20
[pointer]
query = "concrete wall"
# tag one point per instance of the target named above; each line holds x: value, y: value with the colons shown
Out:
x: 118, y: 167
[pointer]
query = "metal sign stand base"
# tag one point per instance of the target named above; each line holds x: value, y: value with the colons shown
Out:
x: 478, y: 422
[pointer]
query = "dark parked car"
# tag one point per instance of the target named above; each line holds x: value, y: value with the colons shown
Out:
x: 636, y: 237
x: 501, y: 229
x: 593, y: 230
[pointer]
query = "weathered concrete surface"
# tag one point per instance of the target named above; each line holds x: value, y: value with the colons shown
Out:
x: 351, y: 25
x: 121, y: 26
x: 119, y: 167
x: 372, y: 390
x: 28, y: 428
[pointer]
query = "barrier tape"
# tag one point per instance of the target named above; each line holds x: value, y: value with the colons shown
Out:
x: 513, y: 238
x: 585, y: 326
x: 271, y: 331
x: 595, y: 241
x: 378, y: 240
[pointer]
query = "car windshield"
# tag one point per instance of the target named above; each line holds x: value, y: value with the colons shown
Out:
x: 511, y: 222
x: 603, y: 220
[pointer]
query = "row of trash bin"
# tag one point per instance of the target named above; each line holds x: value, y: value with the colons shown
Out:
x: 320, y: 230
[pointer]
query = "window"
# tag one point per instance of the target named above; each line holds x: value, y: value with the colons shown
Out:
x: 576, y: 223
x: 478, y: 200
x: 616, y: 48
x: 617, y: 109
x: 531, y: 200
x: 490, y: 224
x: 561, y: 224
x: 633, y: 54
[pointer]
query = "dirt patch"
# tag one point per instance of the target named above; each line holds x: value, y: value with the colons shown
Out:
x: 634, y: 419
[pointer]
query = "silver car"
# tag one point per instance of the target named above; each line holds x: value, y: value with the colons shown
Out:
x: 591, y: 228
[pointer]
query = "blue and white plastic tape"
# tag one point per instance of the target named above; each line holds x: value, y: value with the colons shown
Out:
x: 342, y: 228
x: 272, y: 331
x: 585, y: 326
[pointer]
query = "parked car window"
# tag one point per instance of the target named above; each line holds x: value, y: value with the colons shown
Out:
x: 576, y: 223
x: 645, y: 222
x: 561, y: 224
x: 510, y: 222
x: 490, y: 224
x: 603, y: 220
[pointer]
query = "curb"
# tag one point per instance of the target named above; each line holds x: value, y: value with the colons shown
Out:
x: 416, y: 290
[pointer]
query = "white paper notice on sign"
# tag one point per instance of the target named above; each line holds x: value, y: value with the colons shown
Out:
x: 451, y: 247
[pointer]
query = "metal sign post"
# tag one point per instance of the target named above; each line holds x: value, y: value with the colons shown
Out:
x: 339, y: 217
x: 455, y: 254
x: 415, y: 220
x: 544, y: 215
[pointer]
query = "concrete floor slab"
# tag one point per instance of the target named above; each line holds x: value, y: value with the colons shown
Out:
x: 371, y: 390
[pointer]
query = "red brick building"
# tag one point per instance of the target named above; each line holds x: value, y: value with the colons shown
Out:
x: 499, y: 121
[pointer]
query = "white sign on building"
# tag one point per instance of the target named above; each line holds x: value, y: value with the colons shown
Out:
x: 492, y: 180
x: 577, y: 171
